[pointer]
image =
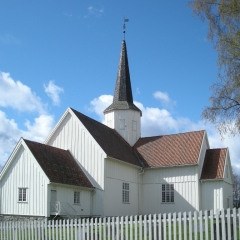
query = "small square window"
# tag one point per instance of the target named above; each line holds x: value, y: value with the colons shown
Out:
x: 22, y: 194
x: 76, y: 198
x: 168, y: 193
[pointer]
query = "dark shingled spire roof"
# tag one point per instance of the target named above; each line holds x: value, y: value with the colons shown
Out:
x: 123, y: 91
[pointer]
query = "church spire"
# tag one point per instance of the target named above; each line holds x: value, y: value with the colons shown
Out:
x: 123, y: 99
x: 122, y: 115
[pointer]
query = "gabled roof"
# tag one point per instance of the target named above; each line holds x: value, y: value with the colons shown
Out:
x: 58, y: 165
x: 123, y: 91
x: 214, y: 162
x: 170, y: 150
x: 109, y: 140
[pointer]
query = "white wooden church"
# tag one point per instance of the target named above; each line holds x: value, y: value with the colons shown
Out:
x: 86, y: 168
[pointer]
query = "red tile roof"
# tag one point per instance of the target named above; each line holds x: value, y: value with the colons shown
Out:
x: 58, y: 165
x: 214, y: 162
x: 169, y: 150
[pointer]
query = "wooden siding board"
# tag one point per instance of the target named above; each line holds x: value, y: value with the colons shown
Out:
x: 81, y: 150
x: 22, y: 173
x: 185, y: 180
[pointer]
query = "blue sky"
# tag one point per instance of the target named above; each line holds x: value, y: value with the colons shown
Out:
x: 56, y: 54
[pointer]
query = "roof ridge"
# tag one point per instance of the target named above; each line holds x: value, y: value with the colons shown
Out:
x: 171, y: 134
x: 102, y: 124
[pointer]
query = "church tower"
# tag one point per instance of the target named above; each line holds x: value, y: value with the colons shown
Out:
x: 122, y: 115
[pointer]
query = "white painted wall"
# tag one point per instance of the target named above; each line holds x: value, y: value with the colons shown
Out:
x: 117, y: 173
x: 65, y: 194
x: 71, y: 134
x: 227, y: 194
x: 24, y: 172
x: 185, y: 180
x: 212, y: 194
x: 114, y: 119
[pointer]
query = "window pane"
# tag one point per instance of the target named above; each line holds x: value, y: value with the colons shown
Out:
x: 22, y: 194
x: 163, y: 197
x: 77, y: 197
x: 167, y: 192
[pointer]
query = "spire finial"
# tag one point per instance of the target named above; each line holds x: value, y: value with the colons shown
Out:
x: 124, y: 27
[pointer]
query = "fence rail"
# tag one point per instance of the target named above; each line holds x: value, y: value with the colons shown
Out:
x: 207, y: 225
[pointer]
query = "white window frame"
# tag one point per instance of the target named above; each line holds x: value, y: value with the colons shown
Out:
x: 22, y: 194
x: 167, y: 193
x: 76, y: 197
x: 125, y: 193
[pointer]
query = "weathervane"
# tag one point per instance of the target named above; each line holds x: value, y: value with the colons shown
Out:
x: 124, y: 27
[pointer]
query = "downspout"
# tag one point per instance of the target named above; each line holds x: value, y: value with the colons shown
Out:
x: 91, y: 206
x: 139, y: 173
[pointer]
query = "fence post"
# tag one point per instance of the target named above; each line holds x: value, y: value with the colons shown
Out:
x: 140, y: 227
x: 217, y: 224
x: 190, y: 225
x: 154, y: 227
x: 223, y: 225
x: 211, y: 223
x: 159, y: 226
x: 201, y: 225
x: 234, y: 224
x: 145, y: 226
x: 180, y: 226
x: 174, y: 226
x: 135, y: 228
x: 195, y: 218
x: 229, y: 223
x: 206, y: 224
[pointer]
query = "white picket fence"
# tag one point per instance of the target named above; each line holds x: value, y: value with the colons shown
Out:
x: 222, y: 225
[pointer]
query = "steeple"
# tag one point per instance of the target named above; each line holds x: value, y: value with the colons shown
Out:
x: 123, y: 91
x: 122, y: 115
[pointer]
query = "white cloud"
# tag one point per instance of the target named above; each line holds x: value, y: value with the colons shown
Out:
x: 53, y: 91
x: 40, y: 128
x: 18, y: 96
x: 164, y: 98
x: 10, y: 133
x: 97, y: 12
x: 98, y: 105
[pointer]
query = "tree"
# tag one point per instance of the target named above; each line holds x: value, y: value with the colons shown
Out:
x: 236, y: 190
x: 223, y: 17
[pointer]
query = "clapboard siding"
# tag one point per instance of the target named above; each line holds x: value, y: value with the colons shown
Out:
x: 112, y: 120
x: 72, y: 135
x: 170, y: 174
x: 212, y: 195
x: 185, y: 180
x: 66, y: 195
x: 117, y: 173
x: 24, y: 172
